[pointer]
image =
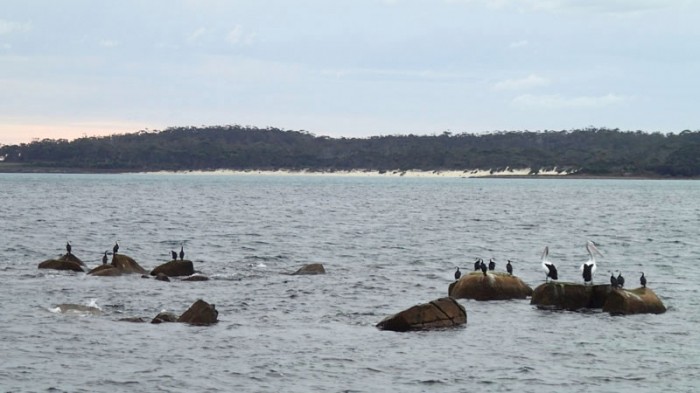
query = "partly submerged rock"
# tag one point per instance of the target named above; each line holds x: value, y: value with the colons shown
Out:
x: 60, y: 264
x: 569, y: 296
x: 440, y: 313
x: 127, y: 264
x: 200, y: 313
x: 72, y: 258
x: 312, y: 268
x: 493, y: 286
x: 175, y: 268
x: 164, y: 317
x: 162, y: 277
x: 635, y: 301
x: 107, y: 270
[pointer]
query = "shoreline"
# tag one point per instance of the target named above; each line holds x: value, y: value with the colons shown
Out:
x: 464, y: 174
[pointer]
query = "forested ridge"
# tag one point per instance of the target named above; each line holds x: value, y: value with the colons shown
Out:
x: 590, y: 151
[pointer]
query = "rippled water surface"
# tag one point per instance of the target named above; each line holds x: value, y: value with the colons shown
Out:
x: 386, y: 243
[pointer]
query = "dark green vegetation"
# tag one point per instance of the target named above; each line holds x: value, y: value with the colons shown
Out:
x: 598, y: 152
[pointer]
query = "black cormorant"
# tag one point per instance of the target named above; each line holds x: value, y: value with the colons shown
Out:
x: 68, y: 247
x: 643, y: 280
x: 477, y: 264
x: 492, y: 264
x: 509, y: 268
x: 483, y: 267
x: 458, y: 274
x: 613, y: 280
x: 174, y: 255
x: 620, y: 280
x: 104, y: 258
x: 115, y: 249
x: 182, y: 253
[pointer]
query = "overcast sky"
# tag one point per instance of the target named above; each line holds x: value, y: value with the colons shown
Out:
x: 347, y: 68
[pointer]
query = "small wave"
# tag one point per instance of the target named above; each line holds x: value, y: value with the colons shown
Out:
x: 75, y: 309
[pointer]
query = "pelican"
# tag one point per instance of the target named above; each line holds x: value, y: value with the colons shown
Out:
x: 643, y: 280
x: 173, y: 254
x: 477, y: 264
x: 509, y: 268
x: 458, y: 274
x: 68, y: 247
x: 115, y: 248
x: 613, y: 280
x: 104, y: 258
x: 182, y: 252
x: 492, y: 264
x: 620, y: 280
x: 549, y: 268
x: 589, y: 267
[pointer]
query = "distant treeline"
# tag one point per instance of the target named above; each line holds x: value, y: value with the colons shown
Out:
x: 591, y: 151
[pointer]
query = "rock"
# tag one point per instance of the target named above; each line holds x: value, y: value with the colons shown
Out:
x: 569, y: 296
x: 59, y: 264
x: 440, y: 313
x: 313, y: 268
x: 72, y: 258
x: 164, y: 317
x: 162, y: 277
x: 105, y: 271
x: 635, y: 301
x: 196, y: 277
x: 175, y: 268
x: 127, y: 264
x: 494, y: 286
x: 200, y: 313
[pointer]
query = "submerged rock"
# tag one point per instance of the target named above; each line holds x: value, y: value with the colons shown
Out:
x: 313, y: 268
x: 200, y: 313
x: 175, y: 268
x: 162, y: 277
x: 635, y: 301
x: 70, y: 308
x: 133, y: 319
x: 196, y: 277
x: 493, y: 286
x: 440, y: 313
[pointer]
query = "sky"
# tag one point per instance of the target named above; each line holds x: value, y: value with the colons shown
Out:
x: 347, y: 68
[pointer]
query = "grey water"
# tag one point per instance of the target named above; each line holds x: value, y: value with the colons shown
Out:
x: 386, y: 243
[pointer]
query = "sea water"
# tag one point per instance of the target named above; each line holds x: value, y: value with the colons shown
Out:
x: 386, y: 243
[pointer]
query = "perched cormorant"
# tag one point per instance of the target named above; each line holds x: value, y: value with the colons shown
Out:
x: 620, y: 280
x: 549, y: 268
x: 182, y: 252
x: 115, y: 248
x: 477, y: 264
x: 174, y: 255
x: 104, y: 258
x: 589, y: 267
x: 483, y: 267
x: 613, y: 280
x: 458, y: 274
x: 643, y: 280
x: 68, y: 247
x: 492, y: 264
x: 509, y: 268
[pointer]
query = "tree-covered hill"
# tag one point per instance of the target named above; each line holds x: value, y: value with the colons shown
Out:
x: 589, y: 152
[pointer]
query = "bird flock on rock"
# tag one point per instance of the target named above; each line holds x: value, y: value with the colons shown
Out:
x: 115, y: 250
x: 588, y: 268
